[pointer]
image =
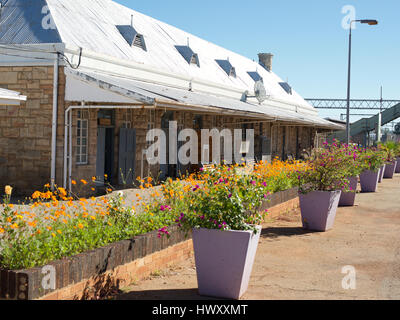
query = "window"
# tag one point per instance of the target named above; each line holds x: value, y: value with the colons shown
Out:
x: 127, y: 120
x: 181, y: 121
x: 82, y: 137
x: 151, y: 126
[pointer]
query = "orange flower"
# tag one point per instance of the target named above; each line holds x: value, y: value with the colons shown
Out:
x: 73, y: 182
x: 83, y: 181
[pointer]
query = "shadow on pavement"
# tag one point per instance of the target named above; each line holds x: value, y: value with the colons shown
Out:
x: 174, y: 294
x: 276, y: 232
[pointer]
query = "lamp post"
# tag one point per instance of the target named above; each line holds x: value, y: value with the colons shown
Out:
x: 371, y: 23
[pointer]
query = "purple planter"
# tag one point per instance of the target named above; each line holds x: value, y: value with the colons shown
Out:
x: 347, y: 198
x: 389, y: 170
x: 318, y: 209
x: 398, y: 165
x: 224, y: 261
x: 381, y: 172
x: 369, y: 180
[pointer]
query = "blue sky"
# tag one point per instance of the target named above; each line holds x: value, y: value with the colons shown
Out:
x: 306, y: 37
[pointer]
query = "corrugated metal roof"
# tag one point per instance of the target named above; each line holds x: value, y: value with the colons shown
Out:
x: 9, y: 93
x: 25, y: 22
x: 91, y: 24
x: 161, y: 94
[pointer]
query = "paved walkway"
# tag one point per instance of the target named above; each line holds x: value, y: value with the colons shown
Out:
x: 292, y: 263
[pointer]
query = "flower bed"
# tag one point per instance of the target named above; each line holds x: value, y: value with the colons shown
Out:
x: 93, y: 273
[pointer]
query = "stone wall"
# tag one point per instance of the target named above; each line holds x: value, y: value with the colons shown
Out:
x: 25, y: 130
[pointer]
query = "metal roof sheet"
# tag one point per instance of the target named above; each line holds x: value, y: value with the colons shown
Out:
x: 91, y: 24
x: 26, y: 22
x: 159, y: 94
x: 9, y: 97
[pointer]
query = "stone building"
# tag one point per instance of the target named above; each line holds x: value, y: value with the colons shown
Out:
x: 98, y: 76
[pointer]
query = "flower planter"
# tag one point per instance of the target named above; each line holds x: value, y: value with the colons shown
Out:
x: 224, y: 261
x: 318, y: 209
x: 389, y: 170
x: 369, y: 180
x: 347, y: 198
x: 381, y: 173
x: 398, y: 165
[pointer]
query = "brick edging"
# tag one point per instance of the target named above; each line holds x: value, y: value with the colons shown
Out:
x: 92, y: 273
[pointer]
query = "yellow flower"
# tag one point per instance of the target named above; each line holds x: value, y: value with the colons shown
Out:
x: 93, y: 179
x: 62, y: 191
x: 1, y: 230
x: 59, y: 231
x: 8, y: 190
x: 53, y: 234
x: 73, y: 182
x: 80, y: 226
x: 83, y: 181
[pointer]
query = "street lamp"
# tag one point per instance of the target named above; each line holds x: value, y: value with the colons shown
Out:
x: 371, y: 23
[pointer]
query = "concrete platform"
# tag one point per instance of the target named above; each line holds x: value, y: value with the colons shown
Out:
x: 292, y: 263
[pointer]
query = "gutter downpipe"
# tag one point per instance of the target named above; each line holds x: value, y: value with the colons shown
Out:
x: 54, y: 123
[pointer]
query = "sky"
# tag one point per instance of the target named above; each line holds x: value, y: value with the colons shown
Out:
x: 309, y: 43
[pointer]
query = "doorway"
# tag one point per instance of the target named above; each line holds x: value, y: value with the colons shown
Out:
x: 105, y: 147
x: 167, y: 169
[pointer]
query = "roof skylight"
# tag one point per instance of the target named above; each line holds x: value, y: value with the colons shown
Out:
x: 188, y: 54
x: 131, y: 36
x: 227, y: 67
x: 255, y: 76
x: 285, y: 86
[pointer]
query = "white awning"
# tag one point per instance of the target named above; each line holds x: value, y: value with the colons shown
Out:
x: 82, y: 86
x: 9, y: 97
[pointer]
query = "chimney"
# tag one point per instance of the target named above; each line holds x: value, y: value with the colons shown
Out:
x: 265, y: 59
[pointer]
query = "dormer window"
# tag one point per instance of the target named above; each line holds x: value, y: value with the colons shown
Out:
x: 285, y: 86
x: 131, y: 36
x: 188, y: 54
x: 227, y: 67
x: 255, y: 76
